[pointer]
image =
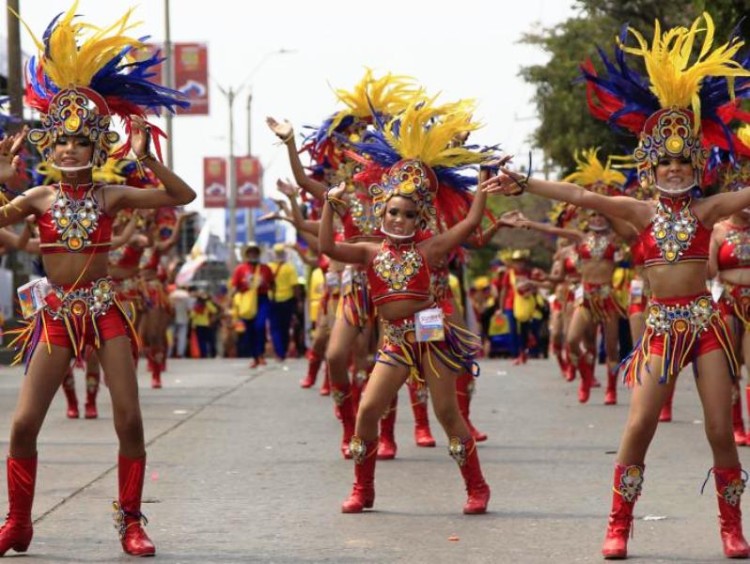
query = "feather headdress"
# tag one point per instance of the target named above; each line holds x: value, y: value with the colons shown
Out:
x: 83, y: 75
x: 685, y: 102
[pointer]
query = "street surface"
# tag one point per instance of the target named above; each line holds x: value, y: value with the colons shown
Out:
x: 244, y: 467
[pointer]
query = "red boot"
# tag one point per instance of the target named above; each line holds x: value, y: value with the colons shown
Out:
x: 363, y: 492
x: 464, y: 452
x: 129, y: 520
x: 520, y: 359
x: 387, y: 447
x: 586, y: 368
x: 422, y: 434
x: 325, y: 387
x: 17, y: 531
x: 729, y: 488
x: 628, y: 481
x: 69, y: 387
x: 154, y: 357
x: 570, y: 366
x: 738, y: 424
x: 464, y: 393
x: 562, y: 362
x: 610, y: 395
x: 92, y: 389
x: 342, y: 397
x: 314, y: 360
x: 665, y: 416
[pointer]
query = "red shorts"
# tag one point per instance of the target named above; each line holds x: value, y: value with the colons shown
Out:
x: 679, y: 330
x: 75, y: 317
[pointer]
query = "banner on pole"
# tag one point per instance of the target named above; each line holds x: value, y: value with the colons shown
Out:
x: 249, y: 175
x: 215, y: 182
x: 191, y: 76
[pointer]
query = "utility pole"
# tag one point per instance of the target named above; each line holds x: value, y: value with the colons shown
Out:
x: 15, y: 75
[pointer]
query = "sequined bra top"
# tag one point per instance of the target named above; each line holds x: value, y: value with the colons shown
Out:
x: 398, y: 272
x: 359, y: 220
x: 675, y: 234
x: 128, y: 256
x: 636, y: 253
x: 75, y: 222
x: 596, y: 247
x: 734, y: 251
x: 571, y: 262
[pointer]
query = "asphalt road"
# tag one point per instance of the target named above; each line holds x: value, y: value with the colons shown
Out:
x: 244, y: 467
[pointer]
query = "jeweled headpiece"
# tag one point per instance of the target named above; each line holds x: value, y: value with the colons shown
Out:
x: 685, y: 102
x: 594, y: 175
x: 414, y: 155
x: 83, y: 75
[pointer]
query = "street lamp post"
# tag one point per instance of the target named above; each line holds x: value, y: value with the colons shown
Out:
x: 230, y: 94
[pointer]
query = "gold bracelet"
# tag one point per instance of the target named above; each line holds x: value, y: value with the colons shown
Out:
x: 144, y: 157
x: 288, y: 138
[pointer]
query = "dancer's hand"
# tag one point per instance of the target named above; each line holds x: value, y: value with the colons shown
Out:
x: 287, y: 188
x: 283, y: 131
x: 10, y: 162
x: 507, y: 183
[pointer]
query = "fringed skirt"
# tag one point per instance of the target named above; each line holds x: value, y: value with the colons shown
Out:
x: 400, y: 348
x: 86, y: 314
x: 599, y: 300
x: 355, y: 304
x: 735, y: 301
x: 679, y: 330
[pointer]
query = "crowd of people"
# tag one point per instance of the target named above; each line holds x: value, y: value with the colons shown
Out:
x: 648, y: 274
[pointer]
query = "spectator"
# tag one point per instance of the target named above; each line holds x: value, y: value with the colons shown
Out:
x: 202, y: 317
x: 181, y: 303
x: 283, y: 303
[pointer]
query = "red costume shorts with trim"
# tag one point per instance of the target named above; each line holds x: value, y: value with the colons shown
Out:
x: 679, y: 330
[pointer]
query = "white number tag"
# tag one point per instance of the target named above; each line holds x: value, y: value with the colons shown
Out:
x: 578, y: 294
x: 429, y: 326
x: 636, y: 289
x: 333, y: 280
x: 346, y: 280
x: 32, y: 296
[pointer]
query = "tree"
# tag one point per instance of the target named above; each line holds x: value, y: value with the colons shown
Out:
x: 565, y: 123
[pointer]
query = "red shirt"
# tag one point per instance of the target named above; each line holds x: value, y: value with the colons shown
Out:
x: 243, y: 275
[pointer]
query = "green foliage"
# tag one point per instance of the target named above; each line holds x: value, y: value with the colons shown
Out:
x: 565, y: 123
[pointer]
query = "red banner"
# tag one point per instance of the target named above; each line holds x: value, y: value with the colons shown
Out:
x: 249, y: 174
x: 191, y: 76
x: 215, y: 182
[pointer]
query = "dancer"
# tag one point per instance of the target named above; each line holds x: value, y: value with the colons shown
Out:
x: 683, y: 323
x: 75, y: 92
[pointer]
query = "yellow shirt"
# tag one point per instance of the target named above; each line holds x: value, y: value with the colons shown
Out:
x: 203, y: 319
x: 285, y: 277
x: 317, y: 281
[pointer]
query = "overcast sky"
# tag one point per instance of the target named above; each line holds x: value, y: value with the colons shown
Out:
x: 466, y: 49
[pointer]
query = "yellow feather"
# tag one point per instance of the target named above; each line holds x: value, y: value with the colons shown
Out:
x: 427, y: 133
x: 675, y: 80
x: 590, y: 170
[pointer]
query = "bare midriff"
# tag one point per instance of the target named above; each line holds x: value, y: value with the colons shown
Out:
x: 597, y: 271
x: 400, y: 309
x: 67, y: 268
x: 677, y: 280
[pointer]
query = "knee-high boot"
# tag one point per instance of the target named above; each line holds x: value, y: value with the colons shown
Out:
x: 363, y: 491
x: 586, y: 368
x: 129, y: 520
x: 737, y: 423
x: 570, y: 365
x: 69, y: 387
x: 92, y: 389
x: 557, y: 351
x: 627, y: 484
x: 154, y: 357
x: 464, y: 452
x: 422, y: 434
x: 610, y: 395
x: 729, y: 488
x: 464, y: 393
x: 665, y: 416
x: 325, y: 387
x: 314, y: 360
x: 17, y: 531
x: 342, y: 398
x: 387, y: 447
